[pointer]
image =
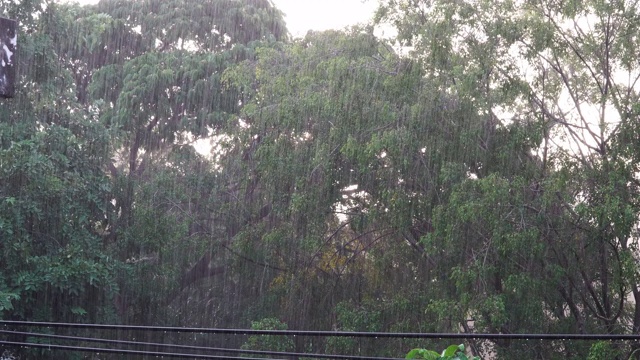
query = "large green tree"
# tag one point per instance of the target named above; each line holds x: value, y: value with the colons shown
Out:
x: 112, y: 98
x: 567, y: 230
x: 353, y: 150
x: 153, y: 69
x: 54, y: 194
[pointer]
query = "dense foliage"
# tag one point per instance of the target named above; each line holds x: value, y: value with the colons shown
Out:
x: 179, y: 162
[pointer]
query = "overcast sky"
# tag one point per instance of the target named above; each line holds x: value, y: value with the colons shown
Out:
x: 305, y: 15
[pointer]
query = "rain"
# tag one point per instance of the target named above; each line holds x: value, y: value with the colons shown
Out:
x: 235, y: 179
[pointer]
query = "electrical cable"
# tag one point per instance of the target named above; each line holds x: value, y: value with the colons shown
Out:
x: 190, y: 347
x: 122, y: 351
x: 318, y: 333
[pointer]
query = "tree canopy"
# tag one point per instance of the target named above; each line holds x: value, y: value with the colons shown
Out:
x: 188, y: 163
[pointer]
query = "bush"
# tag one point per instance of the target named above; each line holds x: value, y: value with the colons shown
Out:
x: 453, y: 352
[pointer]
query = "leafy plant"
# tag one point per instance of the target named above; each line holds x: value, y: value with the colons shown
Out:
x: 268, y: 342
x: 453, y: 352
x: 5, y: 300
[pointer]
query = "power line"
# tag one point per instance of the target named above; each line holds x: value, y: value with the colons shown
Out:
x: 354, y: 334
x: 122, y: 351
x: 190, y: 347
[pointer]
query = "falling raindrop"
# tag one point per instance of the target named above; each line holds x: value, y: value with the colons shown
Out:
x: 191, y: 164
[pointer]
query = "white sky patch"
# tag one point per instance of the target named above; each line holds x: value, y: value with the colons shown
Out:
x: 243, y: 124
x: 349, y: 196
x: 350, y: 188
x: 304, y: 15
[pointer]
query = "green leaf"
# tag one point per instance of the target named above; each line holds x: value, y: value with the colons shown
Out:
x: 78, y: 311
x: 5, y: 300
x: 451, y: 350
x: 422, y: 354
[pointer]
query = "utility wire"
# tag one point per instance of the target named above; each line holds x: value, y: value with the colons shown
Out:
x: 122, y: 351
x: 190, y: 347
x: 354, y: 334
